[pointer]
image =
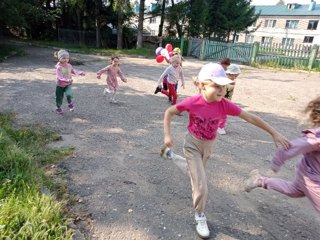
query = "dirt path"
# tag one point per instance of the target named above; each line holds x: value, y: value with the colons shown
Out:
x: 126, y: 188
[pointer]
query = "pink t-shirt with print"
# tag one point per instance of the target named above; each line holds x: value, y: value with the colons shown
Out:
x: 204, y: 117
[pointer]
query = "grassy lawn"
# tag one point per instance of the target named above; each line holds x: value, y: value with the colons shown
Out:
x: 8, y: 50
x: 147, y: 52
x: 26, y: 212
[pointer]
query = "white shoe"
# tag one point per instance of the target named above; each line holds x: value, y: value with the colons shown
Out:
x: 166, y: 153
x: 221, y: 131
x: 202, y: 227
x: 253, y: 181
x: 106, y: 90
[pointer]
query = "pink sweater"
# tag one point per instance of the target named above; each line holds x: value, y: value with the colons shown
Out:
x: 64, y: 74
x: 309, y: 146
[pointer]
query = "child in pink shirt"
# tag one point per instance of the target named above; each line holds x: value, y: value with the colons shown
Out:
x: 307, y: 180
x: 64, y: 71
x: 205, y: 111
x: 112, y: 72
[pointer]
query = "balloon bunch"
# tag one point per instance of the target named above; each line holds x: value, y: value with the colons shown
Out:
x: 164, y: 53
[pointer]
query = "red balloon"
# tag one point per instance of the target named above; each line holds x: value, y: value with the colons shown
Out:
x: 169, y: 47
x: 159, y: 59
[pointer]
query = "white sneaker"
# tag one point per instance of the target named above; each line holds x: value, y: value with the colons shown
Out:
x: 253, y: 181
x: 202, y: 227
x: 166, y: 153
x: 113, y: 100
x: 106, y: 90
x: 221, y: 131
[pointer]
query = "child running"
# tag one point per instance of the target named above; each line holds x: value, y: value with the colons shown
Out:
x: 112, y: 72
x: 173, y: 72
x: 205, y: 111
x: 64, y: 71
x: 307, y: 179
x: 232, y: 72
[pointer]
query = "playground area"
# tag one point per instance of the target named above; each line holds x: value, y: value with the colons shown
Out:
x: 124, y: 189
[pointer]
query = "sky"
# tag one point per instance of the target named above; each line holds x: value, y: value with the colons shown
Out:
x: 273, y: 2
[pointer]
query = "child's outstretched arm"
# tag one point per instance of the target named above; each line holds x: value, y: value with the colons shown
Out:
x: 170, y: 112
x: 101, y: 71
x: 298, y: 146
x: 279, y: 140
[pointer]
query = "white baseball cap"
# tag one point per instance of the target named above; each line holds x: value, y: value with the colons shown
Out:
x: 233, y: 69
x: 214, y: 72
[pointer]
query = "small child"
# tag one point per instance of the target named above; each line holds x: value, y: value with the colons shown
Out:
x: 232, y: 72
x: 112, y: 72
x: 205, y: 111
x: 307, y: 179
x: 64, y: 71
x: 173, y: 72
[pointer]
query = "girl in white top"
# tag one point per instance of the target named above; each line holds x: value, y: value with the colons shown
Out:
x: 173, y: 72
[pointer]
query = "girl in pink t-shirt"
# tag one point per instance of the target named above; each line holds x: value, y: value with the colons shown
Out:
x: 307, y: 180
x: 112, y: 72
x: 205, y: 112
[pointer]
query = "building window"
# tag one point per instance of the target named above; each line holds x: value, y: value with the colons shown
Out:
x: 292, y: 24
x: 249, y: 39
x: 308, y: 39
x: 287, y: 41
x: 153, y: 32
x: 266, y: 40
x: 270, y: 23
x: 313, y: 24
x: 153, y: 20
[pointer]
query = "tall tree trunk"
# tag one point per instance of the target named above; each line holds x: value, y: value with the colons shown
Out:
x: 119, y: 28
x: 163, y: 7
x: 140, y: 24
x: 97, y: 14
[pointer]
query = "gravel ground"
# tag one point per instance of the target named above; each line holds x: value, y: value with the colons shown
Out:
x: 124, y: 189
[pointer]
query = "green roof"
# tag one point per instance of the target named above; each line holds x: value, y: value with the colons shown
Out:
x: 283, y: 10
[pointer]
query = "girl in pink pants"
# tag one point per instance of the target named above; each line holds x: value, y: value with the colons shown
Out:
x: 307, y: 179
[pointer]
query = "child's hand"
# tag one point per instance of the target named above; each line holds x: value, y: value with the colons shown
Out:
x: 82, y: 74
x: 70, y: 80
x: 125, y: 80
x: 183, y: 86
x: 168, y: 141
x: 98, y: 77
x: 281, y: 141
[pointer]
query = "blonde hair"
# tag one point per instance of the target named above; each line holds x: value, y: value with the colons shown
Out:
x: 175, y: 58
x: 313, y: 112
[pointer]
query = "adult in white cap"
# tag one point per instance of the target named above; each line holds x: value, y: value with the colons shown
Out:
x: 232, y: 72
x: 205, y: 111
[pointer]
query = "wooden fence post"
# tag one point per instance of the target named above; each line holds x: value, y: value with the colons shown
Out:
x: 189, y: 47
x: 313, y: 55
x: 202, y: 49
x: 255, y: 50
x: 181, y: 44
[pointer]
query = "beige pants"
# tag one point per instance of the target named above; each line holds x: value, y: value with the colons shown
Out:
x: 197, y: 153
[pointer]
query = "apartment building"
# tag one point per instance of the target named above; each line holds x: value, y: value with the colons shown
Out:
x: 285, y: 24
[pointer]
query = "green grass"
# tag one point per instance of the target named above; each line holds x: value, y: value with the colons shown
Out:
x: 8, y: 50
x: 147, y: 52
x: 26, y: 213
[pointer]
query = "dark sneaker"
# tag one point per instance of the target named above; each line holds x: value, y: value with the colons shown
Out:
x: 59, y: 110
x: 170, y: 99
x: 71, y: 107
x: 158, y: 89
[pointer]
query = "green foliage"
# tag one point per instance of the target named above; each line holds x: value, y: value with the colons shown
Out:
x: 8, y: 50
x: 25, y: 213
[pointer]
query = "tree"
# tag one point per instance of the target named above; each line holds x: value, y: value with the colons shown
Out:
x: 140, y: 24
